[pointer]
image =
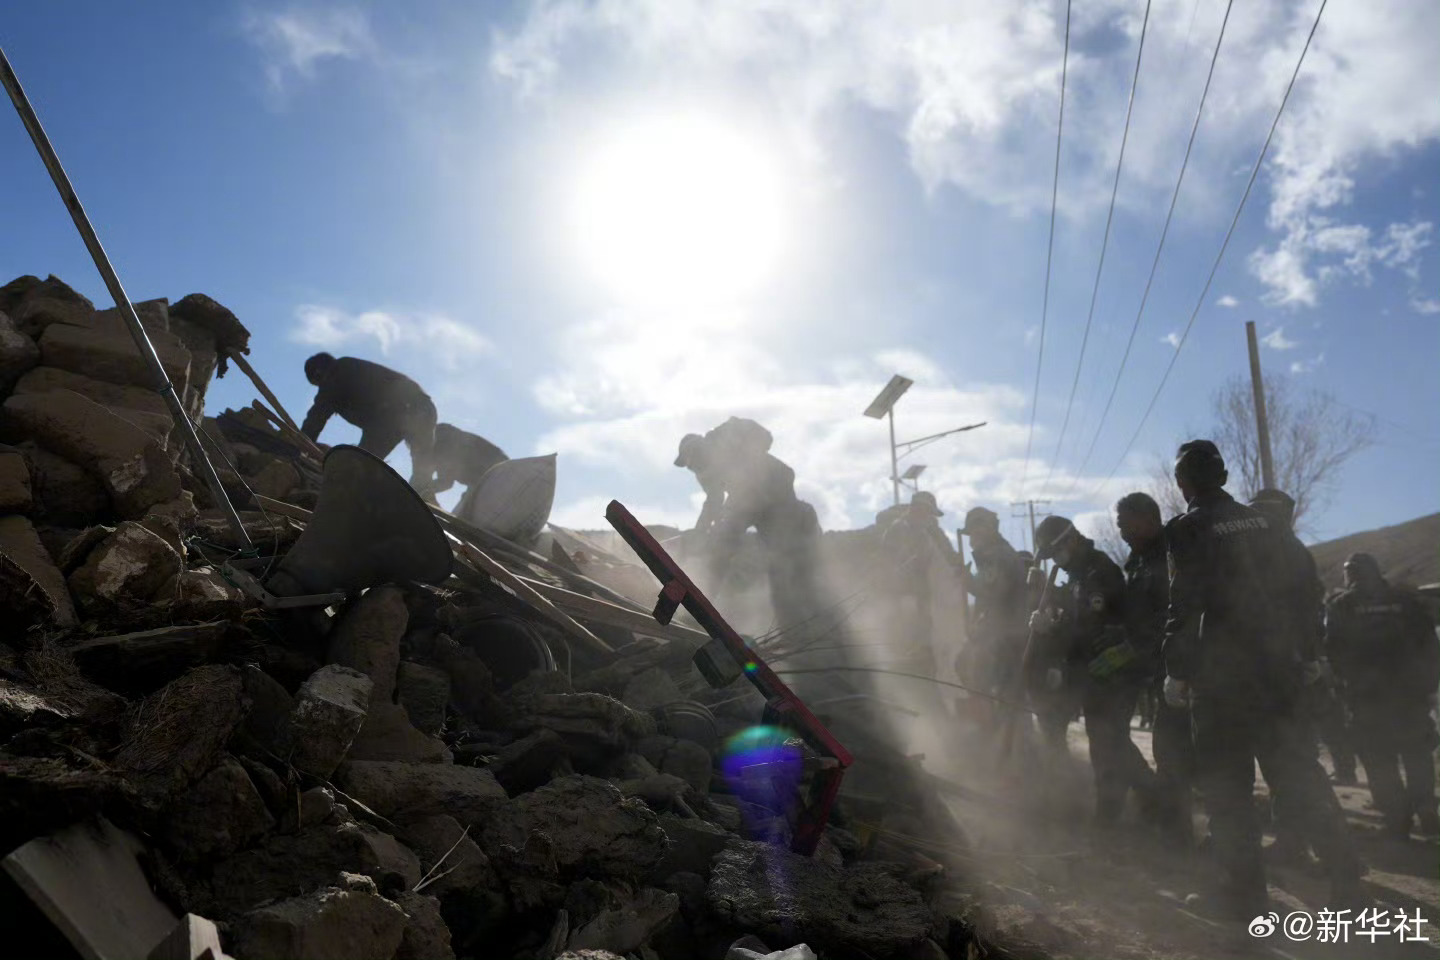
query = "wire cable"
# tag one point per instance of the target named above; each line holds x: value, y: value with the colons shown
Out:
x: 1224, y: 244
x: 1049, y: 251
x: 1104, y: 245
x: 1159, y: 249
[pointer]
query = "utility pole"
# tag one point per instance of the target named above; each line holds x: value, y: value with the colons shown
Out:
x: 894, y: 458
x: 1027, y: 508
x: 1262, y: 422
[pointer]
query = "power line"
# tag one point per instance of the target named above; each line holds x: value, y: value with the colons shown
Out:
x: 1104, y: 245
x: 1215, y: 268
x: 1049, y: 250
x: 1159, y: 249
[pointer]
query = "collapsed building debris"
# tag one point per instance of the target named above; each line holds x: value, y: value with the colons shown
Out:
x: 515, y: 761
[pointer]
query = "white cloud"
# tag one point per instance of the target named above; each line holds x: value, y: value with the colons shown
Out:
x: 440, y: 339
x: 1276, y: 340
x: 1172, y: 338
x: 1424, y: 305
x: 1227, y: 302
x: 1307, y: 366
x: 294, y: 42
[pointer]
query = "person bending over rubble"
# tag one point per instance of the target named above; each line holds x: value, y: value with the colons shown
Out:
x: 1001, y: 604
x: 462, y: 457
x: 913, y: 541
x: 735, y: 441
x: 386, y: 405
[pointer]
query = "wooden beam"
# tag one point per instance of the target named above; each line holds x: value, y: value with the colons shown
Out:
x: 249, y: 371
x: 528, y: 593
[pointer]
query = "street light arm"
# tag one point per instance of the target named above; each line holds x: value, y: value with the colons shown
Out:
x: 910, y: 446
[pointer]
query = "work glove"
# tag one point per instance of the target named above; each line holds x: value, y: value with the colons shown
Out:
x: 1177, y: 692
x: 1111, y: 660
x: 1310, y: 672
x: 1054, y: 678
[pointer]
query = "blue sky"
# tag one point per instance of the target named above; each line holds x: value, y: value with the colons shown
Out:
x: 590, y: 227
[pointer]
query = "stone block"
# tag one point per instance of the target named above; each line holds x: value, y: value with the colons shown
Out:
x: 32, y: 589
x: 130, y: 565
x: 426, y: 935
x: 367, y: 637
x: 135, y: 471
x: 337, y: 923
x: 18, y: 353
x: 64, y: 493
x: 194, y: 938
x: 387, y: 734
x: 112, y: 355
x: 392, y: 789
x: 16, y: 494
x: 109, y: 395
x: 423, y: 692
x: 220, y: 815
x: 624, y: 929
x: 38, y: 311
x: 329, y: 711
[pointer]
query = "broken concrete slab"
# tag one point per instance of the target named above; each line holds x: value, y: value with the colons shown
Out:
x: 177, y: 733
x: 337, y: 923
x: 32, y: 589
x: 626, y: 928
x: 147, y: 659
x: 77, y: 548
x: 387, y: 734
x: 587, y: 717
x: 64, y: 493
x: 110, y: 395
x: 16, y: 493
x: 88, y: 881
x: 329, y: 711
x: 526, y: 764
x: 694, y: 845
x: 278, y: 480
x: 220, y: 815
x: 129, y: 566
x: 289, y: 865
x: 426, y: 935
x: 136, y: 472
x: 18, y: 353
x: 194, y: 938
x: 685, y: 759
x: 202, y: 592
x: 366, y: 637
x: 595, y: 831
x: 42, y: 794
x: 423, y: 691
x: 779, y: 894
x: 649, y: 689
x: 415, y: 790
x: 739, y: 951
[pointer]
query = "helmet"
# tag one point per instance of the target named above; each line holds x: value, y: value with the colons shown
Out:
x: 1052, y: 532
x: 690, y: 446
x: 978, y: 518
x: 1199, y: 462
x: 926, y: 500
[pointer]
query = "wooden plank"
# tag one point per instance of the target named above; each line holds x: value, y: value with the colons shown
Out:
x: 528, y: 593
x: 249, y: 371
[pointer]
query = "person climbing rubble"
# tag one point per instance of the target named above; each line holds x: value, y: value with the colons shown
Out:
x: 462, y: 457
x: 386, y: 405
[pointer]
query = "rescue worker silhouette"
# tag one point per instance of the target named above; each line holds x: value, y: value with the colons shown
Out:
x: 914, y: 541
x: 737, y: 440
x: 1087, y: 646
x: 1385, y: 649
x: 462, y: 457
x: 1147, y: 601
x: 1001, y: 608
x: 386, y: 405
x: 1230, y: 655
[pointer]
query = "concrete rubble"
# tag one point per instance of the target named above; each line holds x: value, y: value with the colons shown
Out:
x: 376, y: 783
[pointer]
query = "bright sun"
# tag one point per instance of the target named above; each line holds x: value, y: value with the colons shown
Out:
x: 678, y: 210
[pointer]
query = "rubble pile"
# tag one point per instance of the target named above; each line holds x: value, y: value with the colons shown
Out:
x: 421, y: 772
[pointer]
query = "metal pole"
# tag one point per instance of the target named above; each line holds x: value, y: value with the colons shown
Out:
x: 1262, y: 422
x: 894, y: 458
x: 163, y: 386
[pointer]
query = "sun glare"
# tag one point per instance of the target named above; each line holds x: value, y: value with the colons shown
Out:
x: 680, y: 210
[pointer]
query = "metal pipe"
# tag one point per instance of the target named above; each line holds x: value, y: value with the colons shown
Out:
x: 162, y: 385
x: 894, y: 459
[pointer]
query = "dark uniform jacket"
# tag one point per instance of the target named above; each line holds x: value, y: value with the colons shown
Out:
x: 1093, y: 607
x: 1147, y: 603
x: 915, y: 541
x: 365, y: 394
x: 1301, y: 596
x: 1381, y: 644
x: 463, y: 457
x: 1220, y: 634
x: 1001, y: 596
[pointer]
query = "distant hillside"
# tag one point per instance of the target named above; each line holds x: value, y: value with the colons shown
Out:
x: 1407, y: 552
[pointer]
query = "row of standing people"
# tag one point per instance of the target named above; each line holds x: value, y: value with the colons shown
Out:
x: 1220, y: 613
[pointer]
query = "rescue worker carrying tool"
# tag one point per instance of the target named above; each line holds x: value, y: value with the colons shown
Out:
x: 387, y: 406
x: 914, y: 541
x: 1229, y: 657
x: 1087, y: 645
x: 462, y: 457
x: 1385, y: 649
x: 1147, y: 601
x: 999, y: 587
